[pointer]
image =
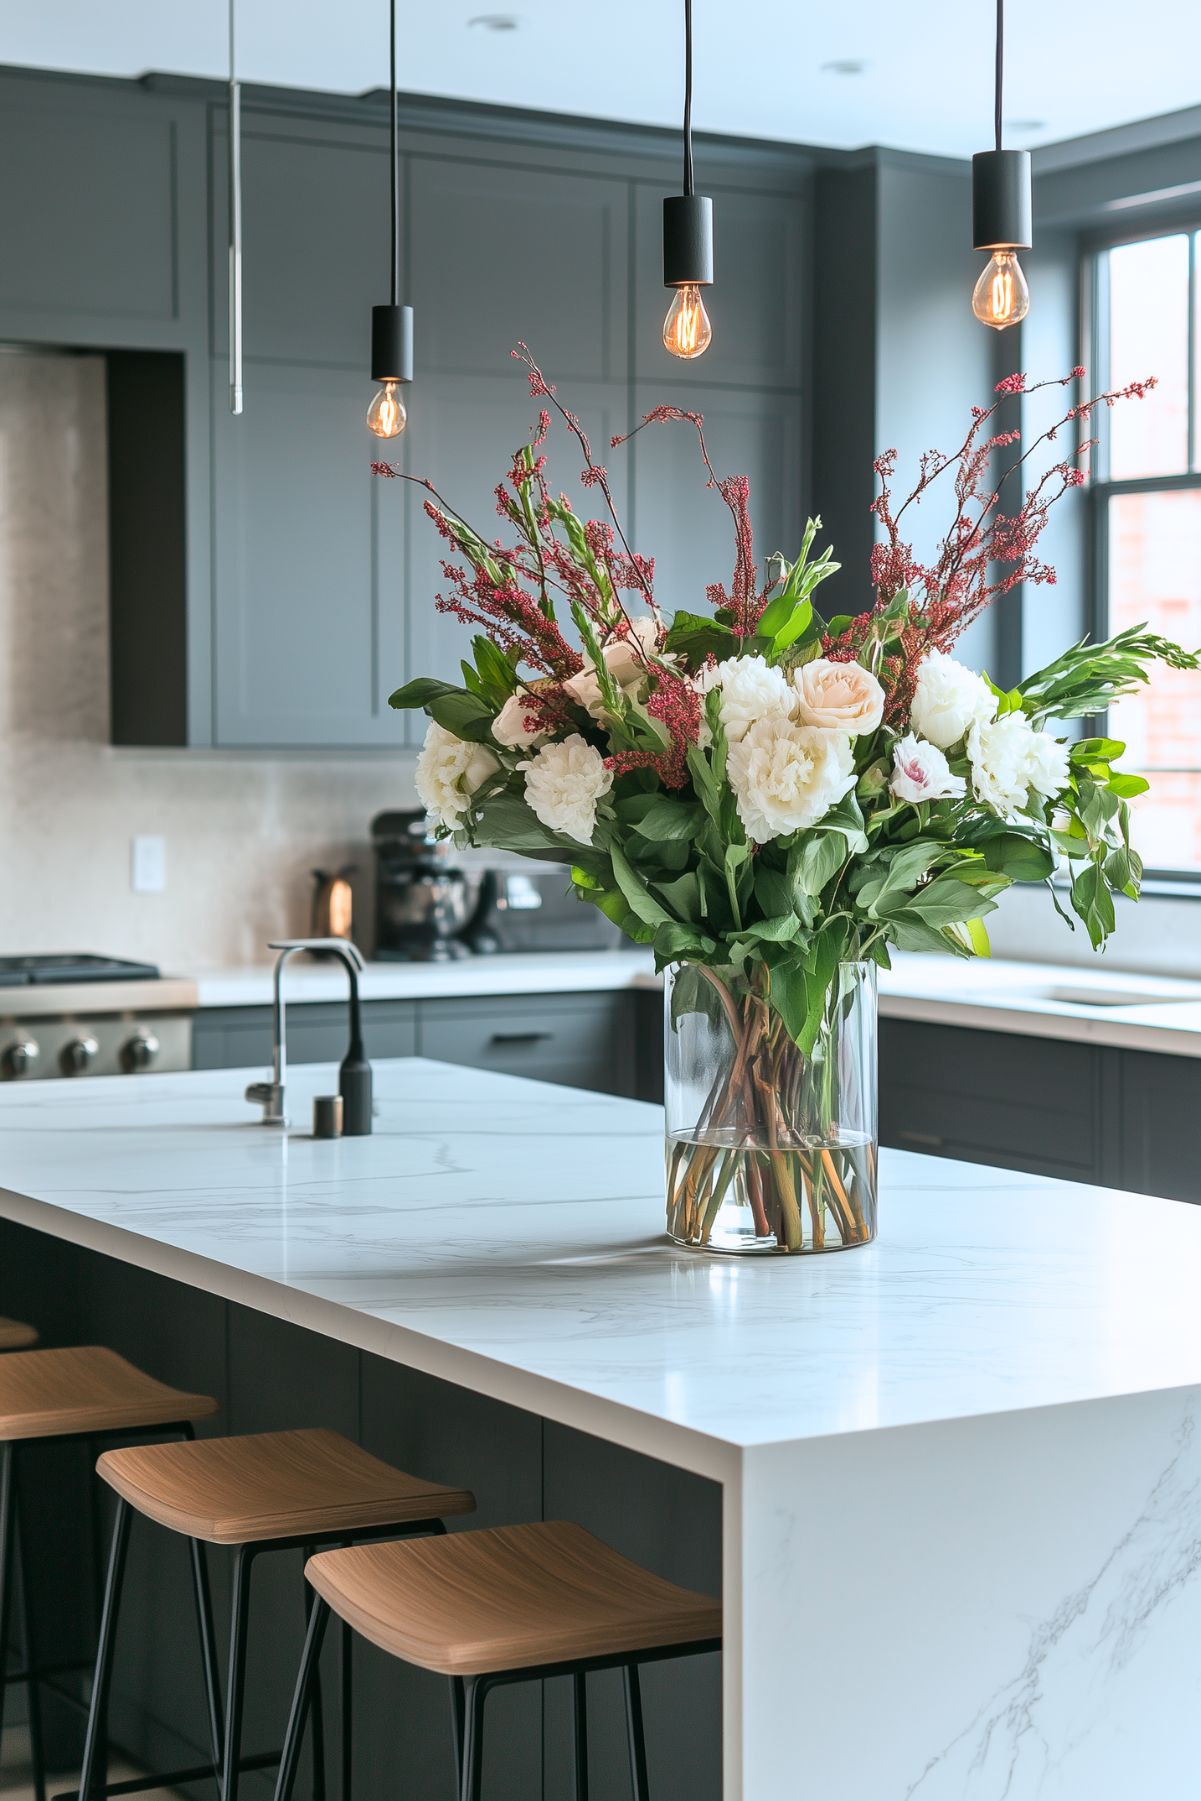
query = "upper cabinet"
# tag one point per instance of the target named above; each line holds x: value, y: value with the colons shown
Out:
x: 102, y: 215
x: 504, y: 252
x: 756, y: 301
x: 315, y: 253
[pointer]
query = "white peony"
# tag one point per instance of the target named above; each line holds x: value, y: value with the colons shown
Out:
x: 1000, y: 754
x: 563, y: 783
x: 1047, y: 765
x: 624, y: 658
x: 920, y: 771
x: 948, y: 700
x: 841, y: 696
x: 509, y: 727
x: 787, y: 776
x: 449, y: 770
x: 751, y: 689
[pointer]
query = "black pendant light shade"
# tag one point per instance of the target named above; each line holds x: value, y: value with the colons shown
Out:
x: 1002, y: 209
x: 687, y: 240
x: 391, y: 343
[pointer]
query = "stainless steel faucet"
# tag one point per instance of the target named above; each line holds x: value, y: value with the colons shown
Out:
x: 270, y: 1095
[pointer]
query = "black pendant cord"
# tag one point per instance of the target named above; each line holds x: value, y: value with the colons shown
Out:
x: 999, y: 90
x: 395, y: 173
x: 689, y: 186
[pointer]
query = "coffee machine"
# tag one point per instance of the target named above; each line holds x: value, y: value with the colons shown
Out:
x: 426, y: 904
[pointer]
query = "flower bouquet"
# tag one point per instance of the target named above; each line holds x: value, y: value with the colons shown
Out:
x: 772, y: 799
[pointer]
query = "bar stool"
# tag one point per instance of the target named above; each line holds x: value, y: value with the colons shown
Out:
x: 268, y: 1491
x: 15, y: 1336
x: 511, y: 1604
x: 81, y: 1393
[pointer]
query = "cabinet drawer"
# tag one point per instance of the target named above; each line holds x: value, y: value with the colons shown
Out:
x: 990, y: 1097
x: 240, y: 1037
x: 579, y: 1040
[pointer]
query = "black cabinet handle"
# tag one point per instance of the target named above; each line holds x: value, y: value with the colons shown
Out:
x: 519, y: 1037
x: 930, y: 1139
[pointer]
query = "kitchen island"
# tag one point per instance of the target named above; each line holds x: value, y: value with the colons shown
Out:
x: 960, y: 1469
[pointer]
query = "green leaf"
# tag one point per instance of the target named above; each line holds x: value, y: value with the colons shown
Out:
x: 1093, y: 903
x: 674, y: 942
x: 641, y: 901
x: 466, y: 715
x: 956, y: 896
x: 420, y: 692
x: 1018, y: 857
x: 977, y: 933
x: 1127, y: 786
x: 815, y: 860
x: 667, y: 820
x: 696, y: 637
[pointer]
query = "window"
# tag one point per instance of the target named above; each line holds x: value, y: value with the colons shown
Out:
x: 1148, y: 500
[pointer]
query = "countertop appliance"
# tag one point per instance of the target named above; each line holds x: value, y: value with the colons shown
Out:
x: 76, y: 1014
x: 425, y: 903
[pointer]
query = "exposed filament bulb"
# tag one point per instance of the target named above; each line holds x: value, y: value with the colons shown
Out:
x: 1001, y: 296
x: 386, y: 415
x: 686, y: 329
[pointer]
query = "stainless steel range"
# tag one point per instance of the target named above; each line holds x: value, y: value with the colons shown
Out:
x: 81, y: 1015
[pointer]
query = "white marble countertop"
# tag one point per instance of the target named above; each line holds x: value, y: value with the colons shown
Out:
x: 1096, y: 1005
x: 507, y: 1236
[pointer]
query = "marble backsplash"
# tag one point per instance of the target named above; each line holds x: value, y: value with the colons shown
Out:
x: 242, y: 832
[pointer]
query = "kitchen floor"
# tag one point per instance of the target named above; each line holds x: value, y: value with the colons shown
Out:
x: 16, y: 1783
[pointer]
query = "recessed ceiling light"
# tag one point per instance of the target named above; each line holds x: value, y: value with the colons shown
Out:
x: 845, y: 65
x: 1025, y: 124
x: 494, y: 22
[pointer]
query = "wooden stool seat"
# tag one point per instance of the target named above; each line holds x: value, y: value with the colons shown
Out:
x: 14, y: 1335
x: 272, y: 1485
x: 86, y: 1389
x: 511, y: 1598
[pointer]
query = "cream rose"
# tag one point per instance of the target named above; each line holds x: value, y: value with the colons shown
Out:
x: 751, y: 689
x: 920, y: 771
x: 563, y: 783
x: 787, y: 776
x: 448, y: 772
x: 843, y: 697
x: 509, y: 727
x: 948, y: 700
x: 1047, y: 765
x: 624, y: 658
x: 1000, y: 753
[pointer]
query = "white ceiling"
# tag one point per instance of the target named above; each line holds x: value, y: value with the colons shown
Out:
x: 760, y: 70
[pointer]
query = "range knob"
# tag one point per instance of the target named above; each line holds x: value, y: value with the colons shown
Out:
x: 77, y: 1056
x: 140, y: 1051
x: 19, y: 1058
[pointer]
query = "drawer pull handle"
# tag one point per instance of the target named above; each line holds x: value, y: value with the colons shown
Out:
x: 931, y: 1139
x: 520, y: 1037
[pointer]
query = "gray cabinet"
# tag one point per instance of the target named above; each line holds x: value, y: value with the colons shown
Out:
x: 1161, y: 1097
x: 316, y: 256
x: 756, y: 304
x: 308, y: 560
x: 240, y: 1037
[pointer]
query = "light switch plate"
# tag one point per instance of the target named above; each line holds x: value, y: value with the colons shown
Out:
x: 148, y: 865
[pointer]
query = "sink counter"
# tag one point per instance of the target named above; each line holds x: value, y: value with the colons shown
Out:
x: 979, y: 1439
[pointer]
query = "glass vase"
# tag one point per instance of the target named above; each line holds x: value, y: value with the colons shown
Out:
x: 770, y: 1149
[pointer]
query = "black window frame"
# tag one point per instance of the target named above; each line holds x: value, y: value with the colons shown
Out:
x: 1103, y: 488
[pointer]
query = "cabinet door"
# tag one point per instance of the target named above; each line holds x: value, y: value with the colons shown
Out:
x: 101, y: 216
x: 315, y: 237
x: 583, y: 1041
x: 756, y: 303
x: 240, y: 1037
x: 1160, y: 1099
x: 308, y: 565
x: 685, y: 525
x: 502, y: 253
x: 462, y: 435
x: 991, y: 1097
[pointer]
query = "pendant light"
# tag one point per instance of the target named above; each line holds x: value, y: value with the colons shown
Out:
x: 687, y: 241
x: 235, y: 220
x: 1001, y: 216
x: 391, y: 325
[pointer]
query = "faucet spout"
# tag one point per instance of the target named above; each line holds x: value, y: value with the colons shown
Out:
x: 355, y: 1073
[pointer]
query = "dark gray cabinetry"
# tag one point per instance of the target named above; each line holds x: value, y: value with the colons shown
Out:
x: 1161, y: 1101
x: 1033, y: 1104
x: 308, y: 560
x: 240, y: 1037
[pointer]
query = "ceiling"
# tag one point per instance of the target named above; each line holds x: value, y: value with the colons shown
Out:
x: 764, y: 68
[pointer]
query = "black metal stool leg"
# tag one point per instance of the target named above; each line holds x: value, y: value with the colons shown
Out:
x: 294, y: 1736
x: 95, y: 1744
x: 458, y: 1725
x: 235, y: 1676
x: 471, y: 1781
x: 634, y: 1728
x: 579, y: 1710
x: 347, y: 1673
x: 33, y: 1689
x: 208, y: 1644
x: 318, y: 1705
x: 7, y: 1455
